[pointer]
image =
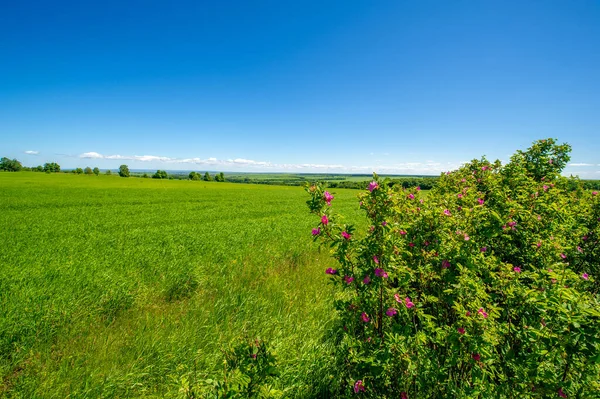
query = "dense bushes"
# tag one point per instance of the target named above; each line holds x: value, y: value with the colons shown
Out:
x: 487, y: 287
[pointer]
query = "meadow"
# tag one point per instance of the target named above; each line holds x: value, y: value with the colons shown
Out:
x: 114, y: 287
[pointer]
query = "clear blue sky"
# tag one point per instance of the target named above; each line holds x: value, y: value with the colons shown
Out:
x: 392, y: 86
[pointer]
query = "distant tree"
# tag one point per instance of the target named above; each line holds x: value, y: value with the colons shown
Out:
x: 78, y: 171
x: 38, y: 168
x: 124, y: 171
x: 108, y: 172
x: 160, y: 174
x: 26, y: 169
x: 10, y: 165
x: 194, y: 176
x: 220, y: 177
x: 88, y: 171
x: 96, y: 171
x: 51, y: 167
x: 145, y: 176
x: 207, y: 177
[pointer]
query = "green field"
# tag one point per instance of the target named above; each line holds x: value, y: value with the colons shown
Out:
x: 113, y: 287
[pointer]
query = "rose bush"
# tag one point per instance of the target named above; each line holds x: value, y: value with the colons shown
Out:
x: 485, y: 287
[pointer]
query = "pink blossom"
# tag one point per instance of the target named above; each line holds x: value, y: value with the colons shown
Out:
x: 381, y: 273
x: 367, y: 280
x: 408, y: 302
x: 463, y: 180
x: 328, y: 197
x: 468, y: 313
x: 365, y: 317
x: 402, y: 232
x: 325, y: 220
x: 411, y: 196
x: 485, y: 167
x: 467, y: 238
x: 346, y: 235
x: 561, y: 393
x: 447, y: 212
x: 253, y: 356
x: 594, y: 192
x: 445, y: 264
x: 476, y: 357
x: 391, y: 312
x: 359, y: 387
x: 539, y: 218
x: 483, y: 249
x: 545, y: 187
x: 480, y: 201
x: 483, y: 313
x: 563, y: 256
x: 397, y: 298
x: 330, y: 271
x: 539, y: 244
x: 348, y: 279
x: 373, y: 186
x: 403, y: 395
x: 551, y: 161
x: 459, y: 195
x: 411, y: 244
x: 585, y: 276
x: 384, y: 223
x: 517, y: 269
x: 418, y: 188
x: 579, y: 249
x: 316, y: 232
x: 375, y: 259
x: 461, y: 330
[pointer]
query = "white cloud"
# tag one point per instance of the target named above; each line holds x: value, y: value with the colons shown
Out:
x: 32, y: 152
x: 91, y: 155
x: 581, y: 164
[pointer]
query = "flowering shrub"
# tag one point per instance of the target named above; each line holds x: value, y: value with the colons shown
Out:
x: 486, y: 287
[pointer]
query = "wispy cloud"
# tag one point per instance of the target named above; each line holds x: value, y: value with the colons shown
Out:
x: 32, y: 152
x: 581, y: 164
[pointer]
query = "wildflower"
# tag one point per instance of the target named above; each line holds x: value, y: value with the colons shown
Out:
x: 325, y: 220
x: 468, y: 313
x: 359, y: 387
x: 539, y: 218
x: 517, y: 269
x: 408, y: 302
x: 328, y: 197
x: 551, y: 161
x: 467, y: 238
x: 483, y: 249
x: 330, y: 271
x: 365, y: 317
x: 384, y: 223
x: 316, y: 232
x: 373, y: 186
x: 346, y: 235
x: 585, y: 276
x: 563, y: 256
x: 461, y: 330
x: 411, y: 196
x: 463, y: 180
x: 545, y: 187
x: 391, y: 312
x: 447, y: 212
x: 367, y: 280
x: 375, y: 259
x: 253, y: 355
x: 418, y: 188
x: 348, y: 279
x: 459, y: 195
x: 445, y: 264
x: 381, y: 273
x: 485, y: 167
x: 402, y: 232
x: 561, y: 393
x: 411, y: 244
x: 476, y: 357
x: 483, y: 313
x: 579, y: 249
x: 594, y: 192
x: 403, y: 395
x: 480, y: 201
x: 539, y: 244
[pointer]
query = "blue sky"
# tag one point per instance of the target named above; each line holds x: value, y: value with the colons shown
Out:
x: 312, y: 86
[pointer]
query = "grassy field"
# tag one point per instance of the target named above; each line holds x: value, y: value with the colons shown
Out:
x: 113, y: 287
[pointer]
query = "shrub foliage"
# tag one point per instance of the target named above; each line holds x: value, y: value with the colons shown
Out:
x: 486, y: 287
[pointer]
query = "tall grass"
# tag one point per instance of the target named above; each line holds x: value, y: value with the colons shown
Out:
x: 113, y: 287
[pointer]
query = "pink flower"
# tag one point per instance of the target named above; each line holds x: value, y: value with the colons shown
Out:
x: 594, y: 192
x: 468, y: 313
x: 476, y: 357
x: 402, y: 232
x: 367, y: 280
x: 325, y: 220
x: 551, y: 161
x: 517, y: 269
x: 418, y: 188
x: 328, y: 197
x: 563, y: 256
x: 585, y: 276
x: 397, y: 298
x: 483, y: 313
x: 375, y: 259
x: 463, y: 180
x: 408, y: 302
x: 483, y: 249
x: 480, y: 201
x: 579, y: 249
x: 447, y: 212
x: 403, y: 395
x: 346, y: 235
x: 461, y: 330
x: 467, y: 238
x: 561, y: 393
x: 539, y: 244
x: 411, y: 196
x: 545, y: 187
x: 330, y: 271
x: 316, y: 232
x: 411, y: 244
x: 253, y: 356
x: 391, y: 312
x: 445, y: 264
x: 373, y: 186
x: 381, y: 273
x: 459, y: 195
x: 384, y: 223
x: 348, y: 279
x: 365, y: 317
x: 359, y: 387
x: 485, y: 167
